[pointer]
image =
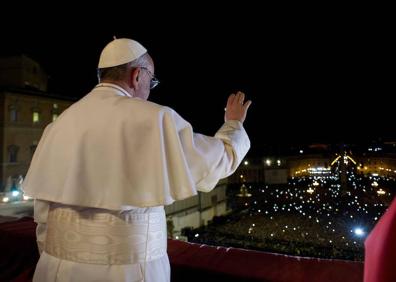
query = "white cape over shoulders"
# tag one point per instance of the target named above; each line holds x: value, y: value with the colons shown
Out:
x: 108, y: 150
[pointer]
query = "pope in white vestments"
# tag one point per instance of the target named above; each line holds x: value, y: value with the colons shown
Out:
x: 103, y: 171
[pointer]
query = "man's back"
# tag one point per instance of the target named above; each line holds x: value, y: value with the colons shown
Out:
x: 113, y: 153
x: 102, y: 148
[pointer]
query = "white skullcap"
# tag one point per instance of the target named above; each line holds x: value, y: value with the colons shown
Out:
x: 119, y: 52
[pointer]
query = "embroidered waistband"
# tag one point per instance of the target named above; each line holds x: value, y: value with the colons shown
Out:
x: 105, y: 238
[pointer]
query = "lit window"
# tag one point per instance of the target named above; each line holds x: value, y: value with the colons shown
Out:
x: 54, y: 117
x: 36, y: 117
x: 55, y: 106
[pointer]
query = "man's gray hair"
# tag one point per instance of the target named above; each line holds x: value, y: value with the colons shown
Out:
x: 118, y: 72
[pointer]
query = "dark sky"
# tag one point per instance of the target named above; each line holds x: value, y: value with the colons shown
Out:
x: 313, y: 77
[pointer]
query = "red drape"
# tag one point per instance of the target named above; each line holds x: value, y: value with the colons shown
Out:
x: 380, y: 249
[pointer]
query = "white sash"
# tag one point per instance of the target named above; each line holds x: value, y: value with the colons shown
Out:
x: 109, y: 238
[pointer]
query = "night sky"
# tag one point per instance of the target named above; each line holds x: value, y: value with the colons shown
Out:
x: 312, y: 77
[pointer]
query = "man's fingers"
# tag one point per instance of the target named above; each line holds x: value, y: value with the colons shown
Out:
x: 241, y: 97
x: 231, y: 99
x: 237, y: 107
x: 237, y: 97
x: 236, y: 101
x: 247, y: 105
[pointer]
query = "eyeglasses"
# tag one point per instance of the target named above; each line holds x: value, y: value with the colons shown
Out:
x: 154, y: 81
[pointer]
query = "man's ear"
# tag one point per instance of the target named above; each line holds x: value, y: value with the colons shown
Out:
x: 134, y: 78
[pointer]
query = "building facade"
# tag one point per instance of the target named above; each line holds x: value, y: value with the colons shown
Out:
x: 198, y: 210
x: 25, y: 110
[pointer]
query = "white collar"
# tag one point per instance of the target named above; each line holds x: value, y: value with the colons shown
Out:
x: 115, y: 86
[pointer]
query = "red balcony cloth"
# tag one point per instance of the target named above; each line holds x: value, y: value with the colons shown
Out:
x: 380, y: 249
x: 200, y: 262
x: 19, y: 254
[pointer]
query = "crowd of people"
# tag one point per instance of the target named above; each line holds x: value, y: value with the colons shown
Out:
x: 310, y: 216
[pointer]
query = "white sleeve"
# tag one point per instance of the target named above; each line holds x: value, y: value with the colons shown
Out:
x: 236, y: 145
x: 212, y: 158
x: 41, y: 209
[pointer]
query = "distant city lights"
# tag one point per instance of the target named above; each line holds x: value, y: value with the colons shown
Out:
x: 381, y: 192
x: 359, y: 231
x: 26, y: 198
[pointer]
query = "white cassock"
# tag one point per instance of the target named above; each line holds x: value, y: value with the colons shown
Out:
x: 100, y: 177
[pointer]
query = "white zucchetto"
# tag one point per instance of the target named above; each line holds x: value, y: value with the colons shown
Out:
x: 120, y: 51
